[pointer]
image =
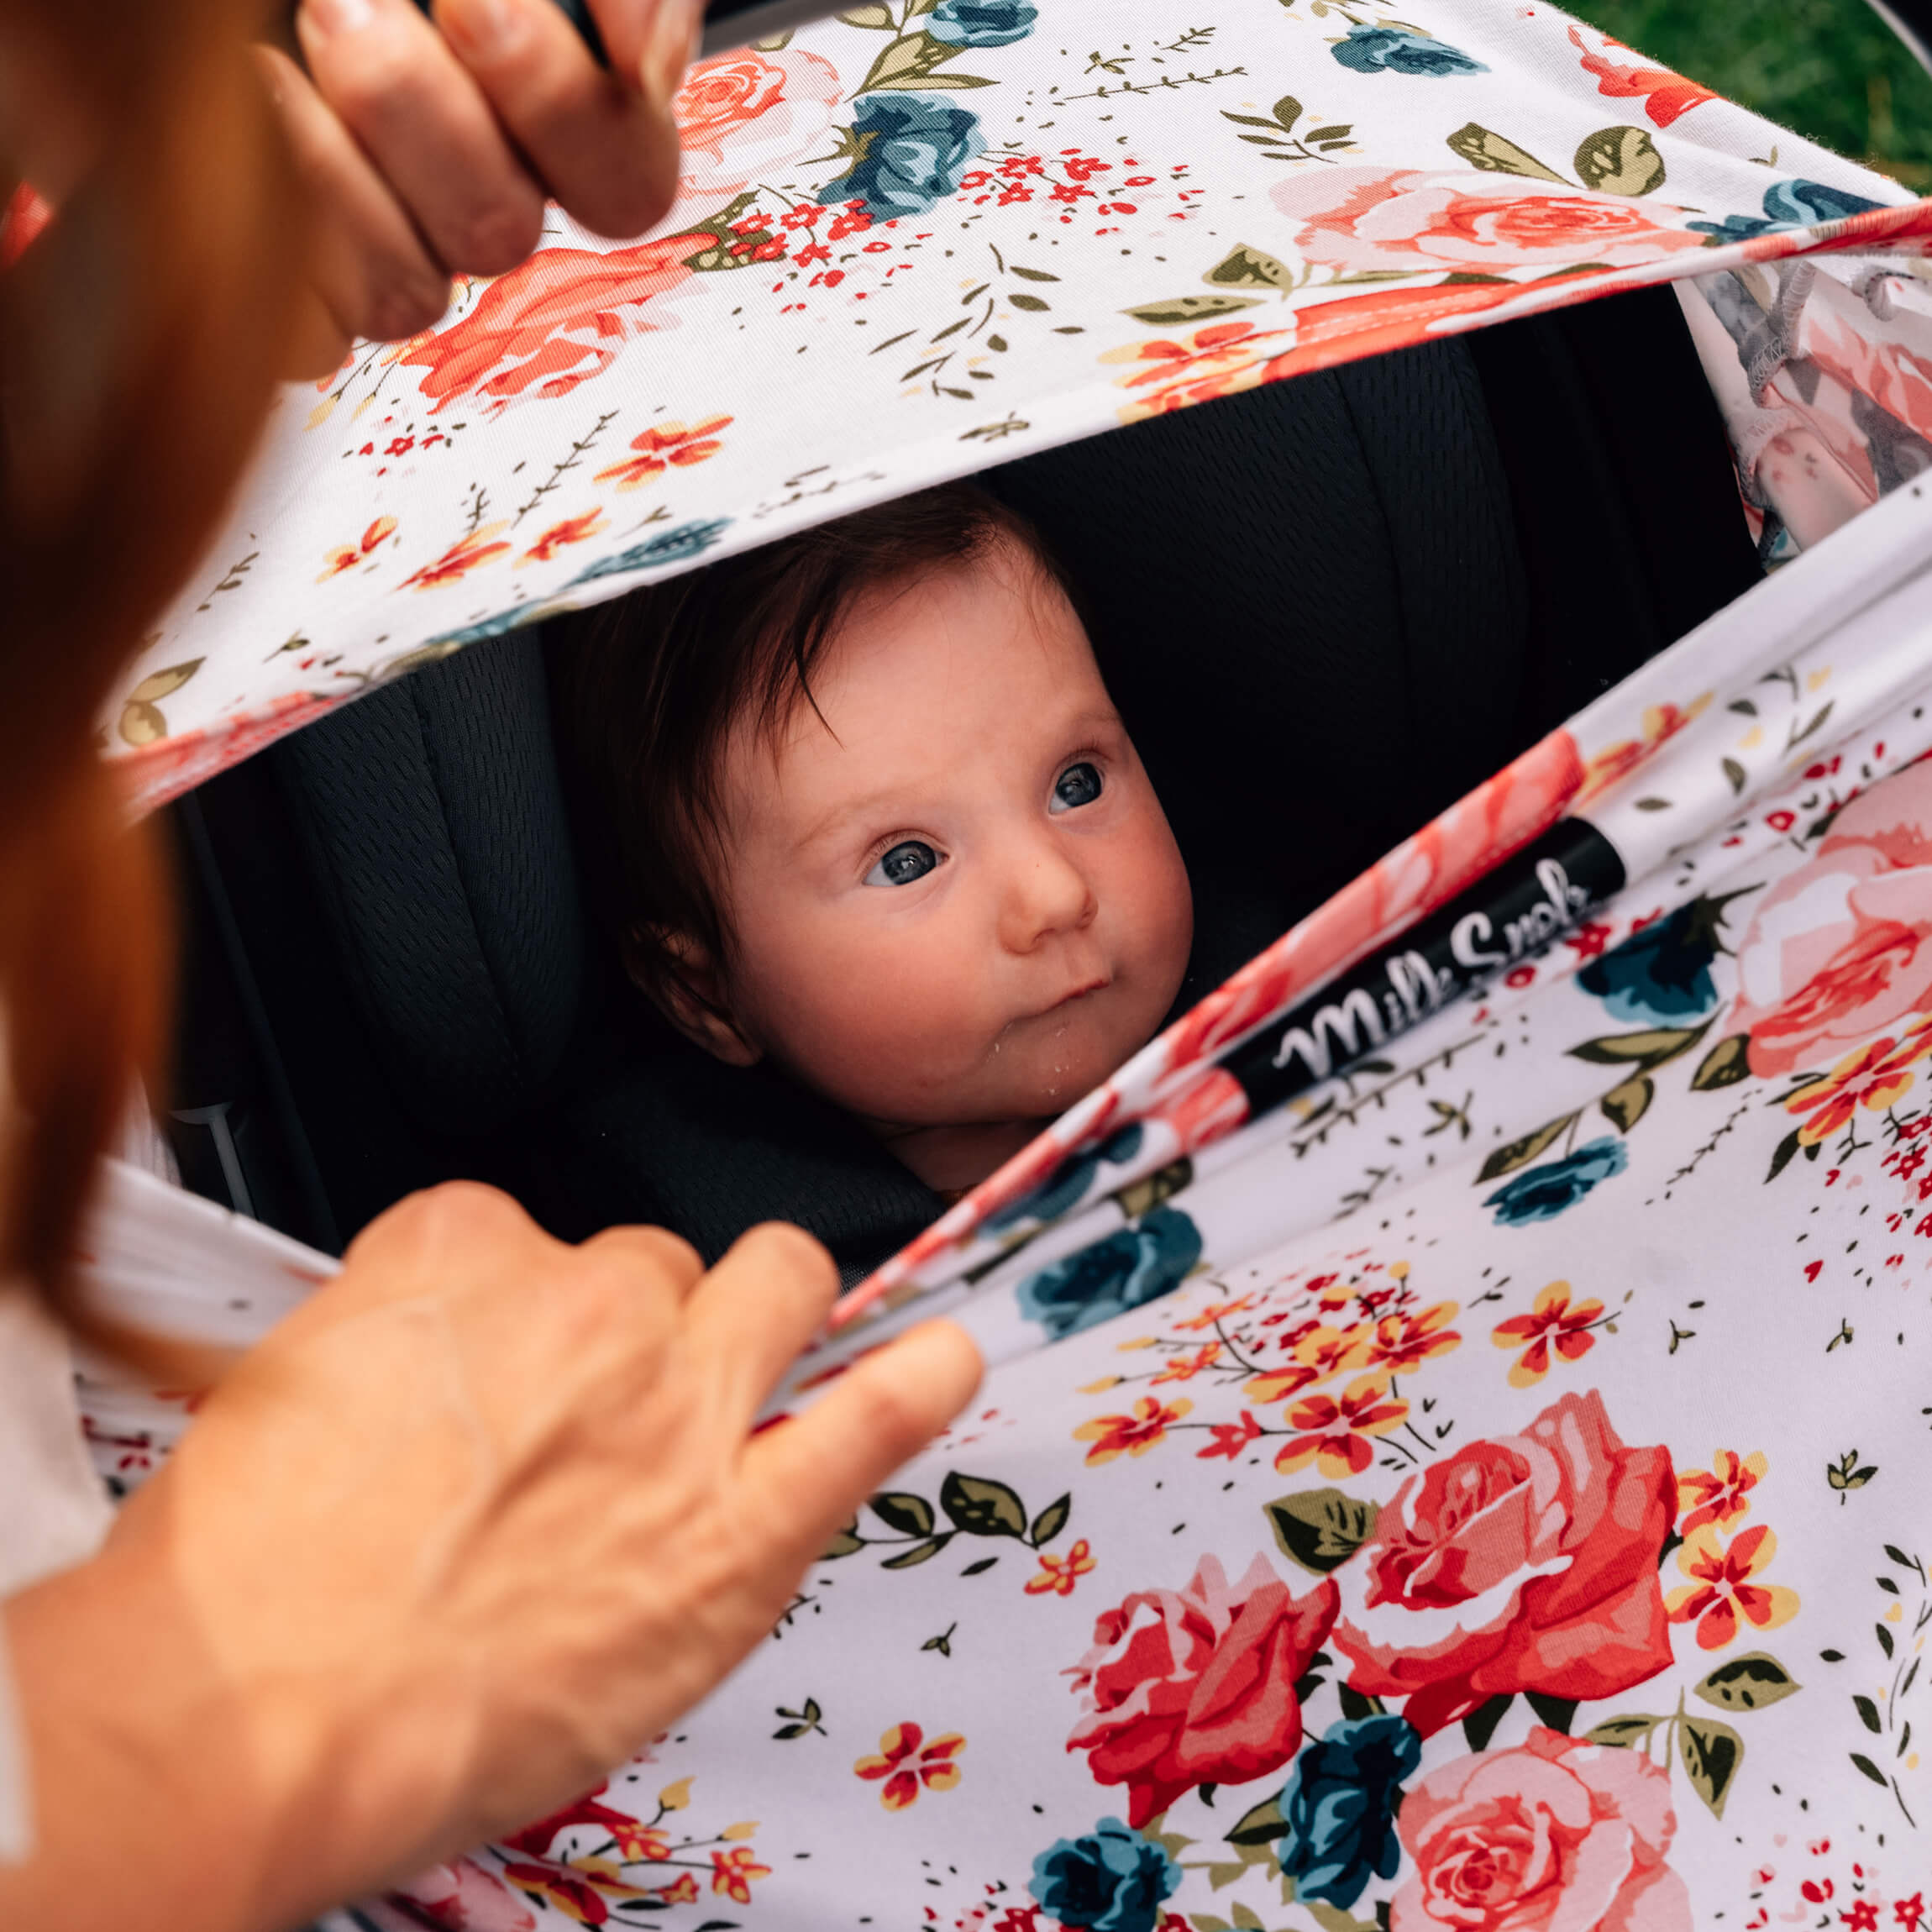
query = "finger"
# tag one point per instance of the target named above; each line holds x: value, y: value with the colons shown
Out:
x: 369, y: 266
x: 750, y: 1316
x: 603, y: 147
x: 809, y: 1475
x: 422, y: 119
x: 461, y: 1234
x: 317, y: 341
x: 671, y: 1258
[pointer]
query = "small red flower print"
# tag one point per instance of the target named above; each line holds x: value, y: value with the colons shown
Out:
x: 1185, y: 1367
x: 574, y: 1897
x: 1872, y: 1077
x: 1333, y: 1351
x: 906, y: 1761
x: 668, y: 444
x: 1057, y: 1575
x: 1721, y: 1590
x: 460, y: 559
x: 1403, y: 1342
x: 1230, y: 1438
x: 633, y: 1840
x: 1718, y: 1495
x: 1660, y: 724
x: 1219, y: 360
x: 1910, y: 1913
x: 684, y: 1892
x: 733, y: 1870
x: 1216, y: 1311
x: 350, y: 554
x: 1863, y: 1917
x: 571, y: 530
x: 1114, y: 1436
x: 1337, y: 1434
x: 1557, y: 1322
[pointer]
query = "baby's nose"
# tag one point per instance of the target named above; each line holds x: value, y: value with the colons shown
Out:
x: 1046, y: 894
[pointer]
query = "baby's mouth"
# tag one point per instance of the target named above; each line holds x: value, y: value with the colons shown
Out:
x: 1078, y: 992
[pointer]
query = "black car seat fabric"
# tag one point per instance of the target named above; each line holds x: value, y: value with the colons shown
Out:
x: 1326, y: 608
x: 433, y: 822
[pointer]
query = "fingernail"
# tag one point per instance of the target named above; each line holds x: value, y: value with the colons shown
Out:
x: 333, y: 17
x: 671, y: 47
x: 486, y: 26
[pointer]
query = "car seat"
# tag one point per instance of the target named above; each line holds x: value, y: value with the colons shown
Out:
x: 389, y: 978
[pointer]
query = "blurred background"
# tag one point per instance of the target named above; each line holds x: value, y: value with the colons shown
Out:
x: 1828, y: 69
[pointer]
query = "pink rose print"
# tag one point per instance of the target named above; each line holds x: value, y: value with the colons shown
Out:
x: 1528, y: 1563
x: 1557, y: 1834
x: 1196, y: 1686
x: 551, y: 324
x: 1841, y: 949
x: 1467, y: 222
x: 463, y: 1898
x: 745, y: 116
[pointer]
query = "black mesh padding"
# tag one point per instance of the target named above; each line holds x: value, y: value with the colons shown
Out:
x: 662, y: 1132
x: 433, y: 824
x: 1305, y: 599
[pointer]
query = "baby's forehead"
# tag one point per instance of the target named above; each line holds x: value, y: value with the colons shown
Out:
x: 974, y: 659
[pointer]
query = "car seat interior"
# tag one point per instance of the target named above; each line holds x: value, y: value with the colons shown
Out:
x: 1327, y: 607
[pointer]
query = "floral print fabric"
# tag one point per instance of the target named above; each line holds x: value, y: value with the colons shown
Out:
x: 1482, y: 1494
x: 925, y: 238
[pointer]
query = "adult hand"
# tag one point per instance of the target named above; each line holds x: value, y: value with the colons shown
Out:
x: 468, y: 1529
x: 430, y: 153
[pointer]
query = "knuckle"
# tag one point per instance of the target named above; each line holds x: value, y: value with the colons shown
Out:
x: 458, y: 1215
x: 492, y: 237
x: 406, y: 307
x: 785, y: 1248
x: 375, y: 80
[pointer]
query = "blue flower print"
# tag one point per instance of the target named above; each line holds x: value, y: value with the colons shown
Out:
x: 1807, y: 203
x: 1793, y: 204
x: 677, y: 546
x: 1135, y: 1265
x: 1110, y: 1880
x: 1340, y: 1806
x: 1661, y: 976
x: 912, y: 150
x: 1396, y: 50
x: 1541, y: 1193
x: 980, y: 23
x: 1069, y: 1181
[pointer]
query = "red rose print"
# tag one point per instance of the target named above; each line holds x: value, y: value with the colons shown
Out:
x: 1196, y: 1686
x: 551, y: 324
x: 1528, y: 1563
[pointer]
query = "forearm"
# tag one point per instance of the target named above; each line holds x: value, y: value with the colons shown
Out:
x: 153, y: 1802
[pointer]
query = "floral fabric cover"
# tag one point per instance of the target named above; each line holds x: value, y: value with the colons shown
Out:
x: 1485, y: 1494
x: 934, y: 234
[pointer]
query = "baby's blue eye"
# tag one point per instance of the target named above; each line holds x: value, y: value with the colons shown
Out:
x: 1077, y: 785
x: 908, y: 861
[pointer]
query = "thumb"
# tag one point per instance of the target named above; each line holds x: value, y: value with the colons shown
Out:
x: 810, y: 1473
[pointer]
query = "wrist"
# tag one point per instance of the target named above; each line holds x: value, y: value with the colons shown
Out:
x: 137, y: 1760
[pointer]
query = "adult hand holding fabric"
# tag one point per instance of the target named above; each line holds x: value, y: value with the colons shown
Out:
x: 431, y: 152
x: 477, y: 1522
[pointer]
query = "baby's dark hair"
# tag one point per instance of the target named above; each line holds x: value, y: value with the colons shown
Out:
x: 646, y: 690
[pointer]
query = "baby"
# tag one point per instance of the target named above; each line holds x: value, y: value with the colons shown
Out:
x: 862, y: 806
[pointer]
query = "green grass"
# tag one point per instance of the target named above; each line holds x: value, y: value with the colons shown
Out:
x: 1828, y: 69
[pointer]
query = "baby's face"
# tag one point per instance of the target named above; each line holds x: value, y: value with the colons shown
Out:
x: 954, y: 896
